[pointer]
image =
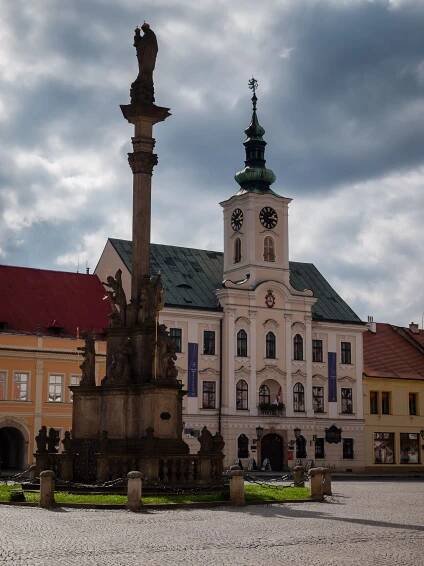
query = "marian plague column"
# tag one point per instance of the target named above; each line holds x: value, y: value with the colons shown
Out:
x: 133, y: 420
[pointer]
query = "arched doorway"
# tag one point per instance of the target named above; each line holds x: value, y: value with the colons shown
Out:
x: 12, y: 449
x: 272, y: 448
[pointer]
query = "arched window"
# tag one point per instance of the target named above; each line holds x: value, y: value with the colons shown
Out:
x: 242, y: 391
x: 270, y: 345
x: 298, y: 347
x: 298, y: 398
x: 242, y: 446
x: 237, y: 250
x: 264, y: 395
x: 241, y: 344
x: 269, y: 249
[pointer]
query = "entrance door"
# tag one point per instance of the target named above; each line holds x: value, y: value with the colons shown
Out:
x: 272, y: 448
x: 12, y: 447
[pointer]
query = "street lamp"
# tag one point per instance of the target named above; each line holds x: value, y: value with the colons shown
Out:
x: 259, y: 432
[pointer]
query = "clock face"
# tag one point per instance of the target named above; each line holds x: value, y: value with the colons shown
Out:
x: 237, y: 219
x: 268, y: 217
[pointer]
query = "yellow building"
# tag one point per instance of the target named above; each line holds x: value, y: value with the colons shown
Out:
x: 394, y: 398
x: 40, y: 332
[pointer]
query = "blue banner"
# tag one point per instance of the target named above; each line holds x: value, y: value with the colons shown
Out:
x: 193, y: 351
x: 332, y: 377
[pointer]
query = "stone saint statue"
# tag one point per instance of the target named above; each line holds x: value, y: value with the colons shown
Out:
x: 52, y: 440
x: 118, y: 299
x: 67, y: 442
x: 88, y: 366
x: 142, y: 89
x: 167, y: 357
x: 41, y: 440
x: 151, y: 299
x: 119, y: 369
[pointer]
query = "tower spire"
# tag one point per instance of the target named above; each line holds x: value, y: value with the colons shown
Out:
x: 255, y: 177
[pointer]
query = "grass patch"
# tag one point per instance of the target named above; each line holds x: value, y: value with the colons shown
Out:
x: 254, y: 493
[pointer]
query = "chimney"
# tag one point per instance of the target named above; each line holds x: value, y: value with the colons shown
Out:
x: 413, y: 327
x: 371, y: 325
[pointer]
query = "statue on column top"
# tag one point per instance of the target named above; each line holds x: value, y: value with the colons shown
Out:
x: 142, y: 89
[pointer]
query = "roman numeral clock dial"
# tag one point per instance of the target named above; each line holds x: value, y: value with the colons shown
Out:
x: 237, y: 219
x: 268, y: 217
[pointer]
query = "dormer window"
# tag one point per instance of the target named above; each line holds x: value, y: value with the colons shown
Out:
x: 237, y: 250
x: 269, y: 249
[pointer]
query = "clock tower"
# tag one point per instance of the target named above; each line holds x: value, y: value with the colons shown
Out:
x: 255, y: 218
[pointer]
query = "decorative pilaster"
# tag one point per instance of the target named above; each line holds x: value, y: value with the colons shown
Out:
x: 308, y: 350
x: 252, y: 353
x: 288, y: 365
x: 229, y: 386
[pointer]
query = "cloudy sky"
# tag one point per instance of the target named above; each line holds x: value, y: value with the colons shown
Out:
x: 341, y: 97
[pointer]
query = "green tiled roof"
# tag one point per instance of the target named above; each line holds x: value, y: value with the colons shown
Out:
x: 191, y: 276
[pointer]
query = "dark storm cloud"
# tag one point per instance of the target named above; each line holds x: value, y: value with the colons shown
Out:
x: 341, y: 99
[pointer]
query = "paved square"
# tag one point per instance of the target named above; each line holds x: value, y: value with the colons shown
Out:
x: 365, y: 523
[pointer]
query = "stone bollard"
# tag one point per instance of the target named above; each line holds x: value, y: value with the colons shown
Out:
x: 236, y: 486
x: 326, y: 486
x: 47, y: 478
x: 317, y: 476
x: 32, y: 473
x: 299, y: 476
x: 134, y: 491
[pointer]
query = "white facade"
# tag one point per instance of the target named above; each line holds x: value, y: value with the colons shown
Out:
x: 266, y: 303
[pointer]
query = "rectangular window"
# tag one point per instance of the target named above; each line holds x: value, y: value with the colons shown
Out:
x: 385, y: 403
x: 209, y: 343
x: 75, y: 380
x: 317, y: 350
x: 318, y: 399
x: 21, y: 382
x: 209, y: 395
x: 347, y: 448
x: 3, y: 385
x: 55, y: 388
x: 413, y: 403
x: 409, y: 448
x: 384, y: 448
x: 319, y: 448
x: 176, y: 334
x: 374, y: 402
x: 346, y: 396
x: 346, y: 351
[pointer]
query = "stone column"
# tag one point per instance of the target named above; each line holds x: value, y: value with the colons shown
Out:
x: 142, y: 160
x: 288, y: 365
x: 308, y: 351
x: 134, y: 491
x: 47, y: 483
x: 236, y: 486
x: 253, y: 410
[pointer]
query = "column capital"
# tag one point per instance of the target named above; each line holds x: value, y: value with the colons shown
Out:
x: 142, y: 162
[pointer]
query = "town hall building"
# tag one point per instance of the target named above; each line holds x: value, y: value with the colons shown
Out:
x: 270, y: 355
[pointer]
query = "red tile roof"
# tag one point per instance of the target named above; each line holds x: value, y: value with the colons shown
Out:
x: 391, y: 353
x: 32, y: 300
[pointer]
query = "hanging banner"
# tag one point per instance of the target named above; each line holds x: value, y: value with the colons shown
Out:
x: 193, y: 350
x: 332, y: 377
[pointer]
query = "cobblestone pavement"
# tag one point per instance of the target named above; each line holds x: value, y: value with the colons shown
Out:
x: 364, y: 523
